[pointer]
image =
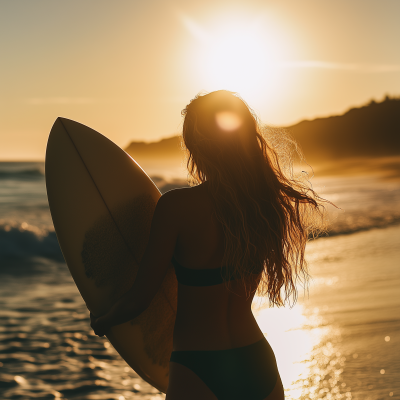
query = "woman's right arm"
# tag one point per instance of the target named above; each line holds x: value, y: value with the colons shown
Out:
x: 152, y: 270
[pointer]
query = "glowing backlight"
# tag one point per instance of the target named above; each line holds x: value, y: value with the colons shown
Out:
x: 228, y: 121
x: 305, y: 348
x: 238, y: 54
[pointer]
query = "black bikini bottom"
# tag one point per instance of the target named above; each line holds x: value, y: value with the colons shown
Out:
x: 248, y: 372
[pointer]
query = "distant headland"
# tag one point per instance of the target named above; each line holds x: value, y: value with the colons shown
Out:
x: 360, y: 140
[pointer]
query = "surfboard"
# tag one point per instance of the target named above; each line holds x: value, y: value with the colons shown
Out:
x: 102, y: 202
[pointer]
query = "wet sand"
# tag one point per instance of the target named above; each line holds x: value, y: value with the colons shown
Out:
x: 340, y: 341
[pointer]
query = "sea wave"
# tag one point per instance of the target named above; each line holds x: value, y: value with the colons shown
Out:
x: 22, y: 242
x: 27, y: 234
x: 347, y: 228
x: 22, y: 174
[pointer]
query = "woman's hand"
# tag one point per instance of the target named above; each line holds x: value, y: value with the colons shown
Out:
x: 98, y: 325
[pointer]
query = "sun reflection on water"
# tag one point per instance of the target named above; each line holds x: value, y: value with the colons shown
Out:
x: 307, y: 352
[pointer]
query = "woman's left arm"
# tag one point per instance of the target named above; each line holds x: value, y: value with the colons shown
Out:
x: 152, y: 270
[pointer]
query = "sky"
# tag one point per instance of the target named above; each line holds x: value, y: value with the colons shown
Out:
x: 127, y: 68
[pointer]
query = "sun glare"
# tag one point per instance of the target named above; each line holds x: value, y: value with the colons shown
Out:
x: 240, y: 55
x: 303, y: 368
x: 228, y: 121
x: 235, y: 59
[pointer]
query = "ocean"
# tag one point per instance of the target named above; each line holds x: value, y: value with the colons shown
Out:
x: 340, y: 341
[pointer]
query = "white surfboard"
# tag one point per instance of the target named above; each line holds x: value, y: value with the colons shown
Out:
x: 102, y: 204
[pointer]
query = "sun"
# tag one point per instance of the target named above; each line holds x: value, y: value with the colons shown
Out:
x: 237, y: 55
x: 235, y: 59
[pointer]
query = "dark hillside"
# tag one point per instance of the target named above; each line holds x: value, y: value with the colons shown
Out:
x: 165, y: 148
x: 369, y: 131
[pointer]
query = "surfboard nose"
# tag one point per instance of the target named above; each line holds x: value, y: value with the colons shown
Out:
x: 102, y: 203
x: 59, y: 121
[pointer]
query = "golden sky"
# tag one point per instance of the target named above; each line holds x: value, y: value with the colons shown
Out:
x: 126, y: 68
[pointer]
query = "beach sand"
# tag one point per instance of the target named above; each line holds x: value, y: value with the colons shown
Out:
x: 340, y: 341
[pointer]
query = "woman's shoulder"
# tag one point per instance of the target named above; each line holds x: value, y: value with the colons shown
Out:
x: 182, y: 199
x: 181, y: 194
x: 175, y: 195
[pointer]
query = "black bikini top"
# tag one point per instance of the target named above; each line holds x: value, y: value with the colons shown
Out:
x: 198, y: 277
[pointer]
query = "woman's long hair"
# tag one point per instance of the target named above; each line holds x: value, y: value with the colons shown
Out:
x: 267, y: 214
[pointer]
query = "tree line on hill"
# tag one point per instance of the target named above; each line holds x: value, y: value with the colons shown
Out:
x: 370, y: 131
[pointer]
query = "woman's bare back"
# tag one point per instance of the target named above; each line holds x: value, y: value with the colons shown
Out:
x: 210, y: 317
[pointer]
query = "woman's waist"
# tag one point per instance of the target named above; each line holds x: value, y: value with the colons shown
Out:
x: 217, y: 336
x: 219, y: 315
x: 215, y: 343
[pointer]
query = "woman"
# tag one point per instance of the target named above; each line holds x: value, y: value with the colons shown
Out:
x: 240, y: 229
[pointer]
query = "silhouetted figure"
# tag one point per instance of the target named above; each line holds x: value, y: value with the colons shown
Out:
x: 241, y: 229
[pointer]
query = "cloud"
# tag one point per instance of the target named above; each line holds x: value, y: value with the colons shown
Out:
x: 38, y: 101
x: 366, y: 68
x: 194, y: 28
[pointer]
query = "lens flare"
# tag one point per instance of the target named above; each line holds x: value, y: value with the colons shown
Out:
x: 228, y: 121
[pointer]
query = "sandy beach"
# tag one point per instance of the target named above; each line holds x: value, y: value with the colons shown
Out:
x: 340, y: 341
